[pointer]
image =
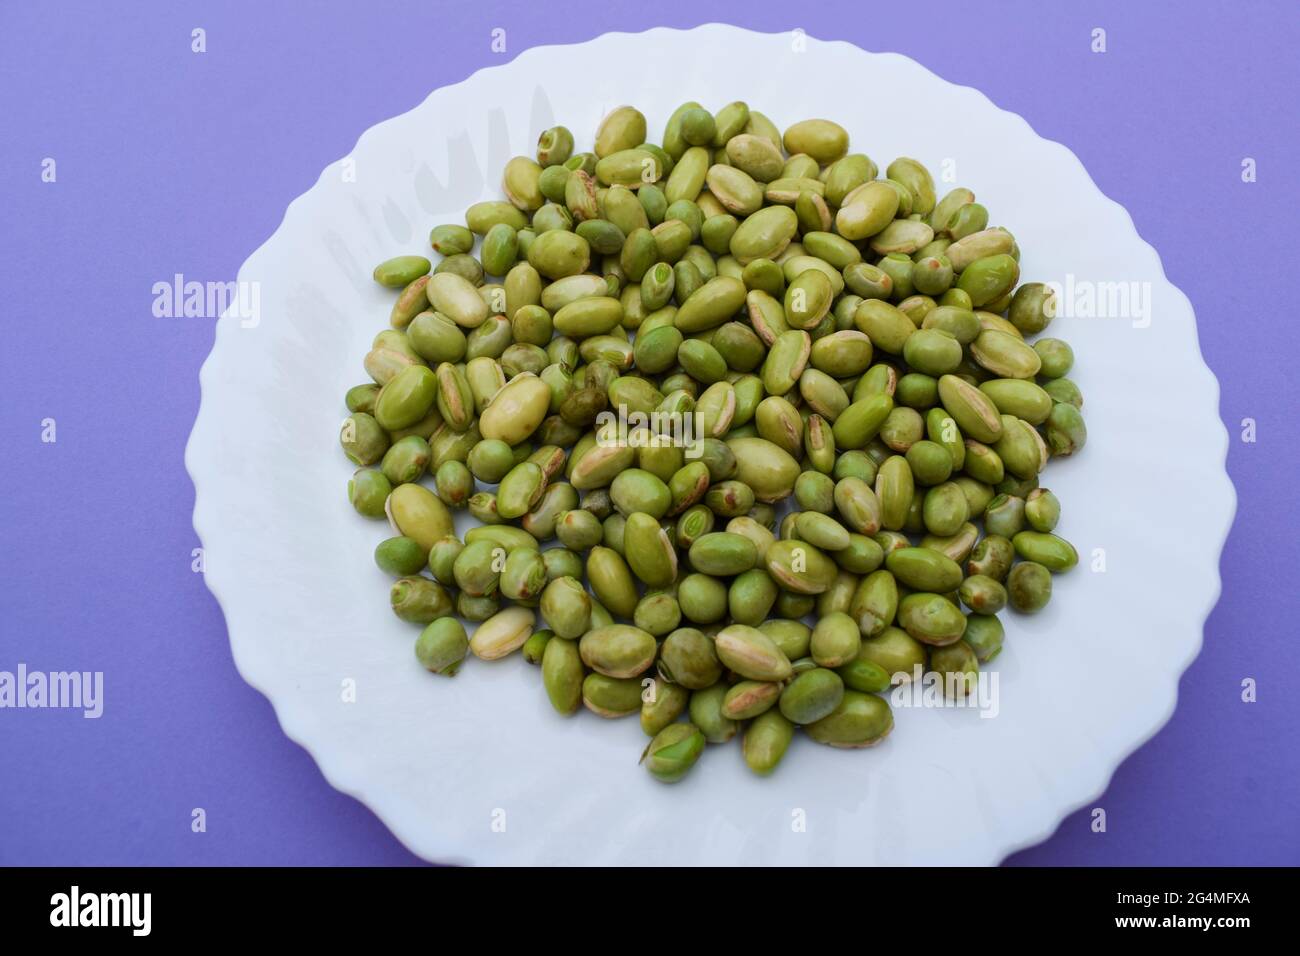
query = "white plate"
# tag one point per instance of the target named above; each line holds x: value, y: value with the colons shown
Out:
x: 479, y: 768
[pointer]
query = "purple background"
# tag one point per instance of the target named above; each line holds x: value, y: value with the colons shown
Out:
x: 171, y: 162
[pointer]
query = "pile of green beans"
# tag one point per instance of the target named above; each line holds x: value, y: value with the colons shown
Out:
x: 849, y: 343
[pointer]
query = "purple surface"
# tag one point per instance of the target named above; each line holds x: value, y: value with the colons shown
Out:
x: 170, y: 161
